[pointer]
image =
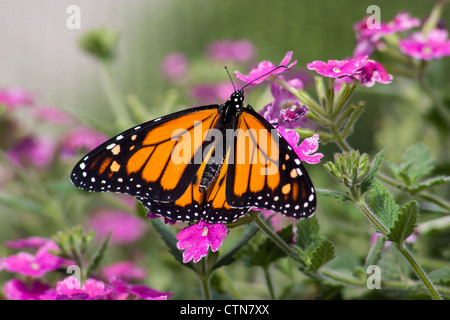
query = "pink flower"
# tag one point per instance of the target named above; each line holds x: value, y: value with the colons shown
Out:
x: 285, y: 108
x: 122, y: 290
x: 373, y: 72
x: 338, y: 69
x: 125, y: 228
x: 197, y: 239
x: 435, y: 45
x: 16, y: 289
x: 82, y: 138
x: 33, y: 265
x: 31, y: 242
x: 125, y: 270
x: 14, y: 97
x: 306, y: 149
x: 369, y: 35
x: 174, y: 66
x: 52, y: 115
x: 34, y: 151
x: 211, y: 93
x: 266, y: 68
x: 71, y: 289
x: 237, y: 50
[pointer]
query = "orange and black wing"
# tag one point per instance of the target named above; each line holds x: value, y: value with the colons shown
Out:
x: 266, y: 173
x: 158, y: 162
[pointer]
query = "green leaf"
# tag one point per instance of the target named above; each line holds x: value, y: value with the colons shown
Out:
x: 429, y: 183
x: 324, y: 253
x: 416, y: 162
x: 405, y: 224
x: 308, y: 234
x: 440, y: 276
x: 228, y: 258
x: 340, y: 196
x: 267, y: 252
x: 170, y: 240
x: 98, y: 256
x: 382, y: 204
x: 374, y: 166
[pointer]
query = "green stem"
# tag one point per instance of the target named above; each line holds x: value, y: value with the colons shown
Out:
x: 117, y: 103
x: 272, y: 235
x: 269, y: 282
x: 420, y: 273
x: 204, y: 276
x: 439, y: 105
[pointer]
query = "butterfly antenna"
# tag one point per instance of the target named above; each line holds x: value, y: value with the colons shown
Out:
x: 230, y: 78
x: 261, y: 76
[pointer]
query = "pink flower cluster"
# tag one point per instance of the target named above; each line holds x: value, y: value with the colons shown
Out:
x: 35, y: 266
x: 433, y: 44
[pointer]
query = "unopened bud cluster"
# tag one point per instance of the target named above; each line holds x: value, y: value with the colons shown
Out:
x: 349, y: 168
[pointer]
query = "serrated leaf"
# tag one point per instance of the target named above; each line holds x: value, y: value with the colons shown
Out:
x: 382, y: 204
x: 308, y: 233
x: 374, y: 166
x: 228, y: 258
x: 170, y: 239
x: 416, y: 162
x: 340, y: 196
x: 98, y: 256
x: 440, y: 276
x: 324, y: 253
x: 429, y: 183
x: 405, y: 224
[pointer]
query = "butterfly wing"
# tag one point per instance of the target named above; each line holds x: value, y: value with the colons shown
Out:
x: 154, y: 161
x: 267, y: 173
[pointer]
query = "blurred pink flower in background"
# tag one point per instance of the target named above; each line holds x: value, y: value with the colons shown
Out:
x: 211, y: 93
x: 125, y: 228
x: 234, y: 50
x: 175, y: 66
x: 263, y: 71
x: 33, y: 150
x: 125, y: 270
x: 434, y: 45
x: 16, y: 289
x: 52, y: 114
x: 14, y: 97
x: 80, y: 138
x: 33, y: 265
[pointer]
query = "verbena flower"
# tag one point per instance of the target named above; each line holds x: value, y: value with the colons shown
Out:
x: 36, y: 151
x: 338, y: 68
x: 30, y: 242
x: 33, y: 265
x: 265, y: 67
x: 125, y: 270
x: 16, y: 289
x: 285, y: 109
x: 71, y: 289
x: 307, y: 147
x: 175, y: 66
x: 198, y: 238
x: 434, y: 45
x: 80, y: 138
x: 234, y: 50
x: 122, y: 290
x: 14, y: 97
x: 369, y: 37
x: 125, y: 228
x: 211, y: 93
x: 373, y: 72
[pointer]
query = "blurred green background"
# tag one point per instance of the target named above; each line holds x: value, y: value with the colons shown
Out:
x: 40, y: 54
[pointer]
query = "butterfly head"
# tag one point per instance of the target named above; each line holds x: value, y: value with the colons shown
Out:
x: 236, y: 100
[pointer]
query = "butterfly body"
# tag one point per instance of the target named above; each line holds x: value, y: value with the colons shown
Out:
x: 212, y: 162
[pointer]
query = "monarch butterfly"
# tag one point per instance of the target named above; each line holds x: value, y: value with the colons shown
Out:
x: 236, y: 161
